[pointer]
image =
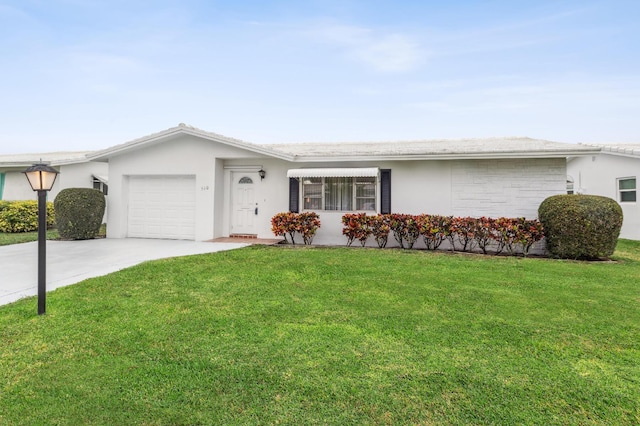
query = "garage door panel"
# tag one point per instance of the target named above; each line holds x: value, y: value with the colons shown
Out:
x: 162, y: 207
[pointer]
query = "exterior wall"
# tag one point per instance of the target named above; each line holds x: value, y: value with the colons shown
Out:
x: 496, y: 188
x: 598, y: 174
x: 78, y: 176
x: 16, y: 186
x: 273, y: 191
x: 183, y: 155
x: 507, y: 188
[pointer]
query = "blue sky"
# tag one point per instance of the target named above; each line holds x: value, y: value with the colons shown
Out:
x: 88, y: 74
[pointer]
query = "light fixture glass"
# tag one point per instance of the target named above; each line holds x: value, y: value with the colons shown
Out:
x: 41, y: 177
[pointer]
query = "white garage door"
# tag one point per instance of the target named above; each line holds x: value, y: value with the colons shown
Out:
x: 162, y: 207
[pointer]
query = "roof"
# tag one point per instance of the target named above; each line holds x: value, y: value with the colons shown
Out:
x: 52, y: 158
x: 622, y: 149
x: 183, y: 129
x: 508, y: 147
x: 439, y: 149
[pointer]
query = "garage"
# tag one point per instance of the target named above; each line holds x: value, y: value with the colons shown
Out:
x: 162, y: 207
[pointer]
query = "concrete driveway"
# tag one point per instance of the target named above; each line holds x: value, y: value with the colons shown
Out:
x: 69, y: 262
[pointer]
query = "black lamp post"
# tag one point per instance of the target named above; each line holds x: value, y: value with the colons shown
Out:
x: 41, y: 178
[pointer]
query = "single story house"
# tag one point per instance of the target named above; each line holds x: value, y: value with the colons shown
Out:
x: 186, y: 183
x: 76, y: 171
x: 612, y: 173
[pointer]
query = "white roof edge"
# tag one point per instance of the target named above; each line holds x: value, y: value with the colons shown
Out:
x: 450, y: 156
x: 189, y: 130
x: 624, y: 150
x: 333, y: 172
x: 52, y: 159
x: 101, y: 178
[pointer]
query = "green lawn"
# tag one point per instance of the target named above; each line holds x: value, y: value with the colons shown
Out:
x: 25, y: 237
x: 281, y: 335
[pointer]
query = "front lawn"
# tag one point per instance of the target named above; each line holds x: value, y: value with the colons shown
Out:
x: 266, y: 335
x: 25, y: 237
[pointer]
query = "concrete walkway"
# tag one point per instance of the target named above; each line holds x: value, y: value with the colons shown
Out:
x: 69, y: 262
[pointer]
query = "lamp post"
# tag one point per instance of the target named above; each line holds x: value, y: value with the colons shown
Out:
x: 41, y: 178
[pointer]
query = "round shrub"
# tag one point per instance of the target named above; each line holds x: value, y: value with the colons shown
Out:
x: 580, y: 226
x: 79, y: 213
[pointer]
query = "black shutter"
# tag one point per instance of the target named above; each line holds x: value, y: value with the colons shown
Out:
x: 294, y: 195
x: 385, y: 191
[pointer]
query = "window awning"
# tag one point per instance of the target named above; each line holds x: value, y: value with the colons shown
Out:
x: 102, y: 179
x: 337, y: 172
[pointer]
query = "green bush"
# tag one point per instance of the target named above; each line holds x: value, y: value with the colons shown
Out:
x: 79, y: 213
x: 22, y: 216
x: 580, y: 226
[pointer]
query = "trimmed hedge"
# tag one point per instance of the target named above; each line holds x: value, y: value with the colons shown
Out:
x: 22, y: 216
x: 581, y: 226
x: 513, y: 235
x: 79, y: 213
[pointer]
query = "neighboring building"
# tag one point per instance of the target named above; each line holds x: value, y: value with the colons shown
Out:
x: 613, y: 173
x: 185, y: 183
x: 76, y: 171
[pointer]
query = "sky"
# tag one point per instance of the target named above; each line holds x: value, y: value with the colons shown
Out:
x: 89, y: 74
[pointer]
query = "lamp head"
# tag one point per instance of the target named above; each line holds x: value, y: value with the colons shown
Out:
x: 41, y: 177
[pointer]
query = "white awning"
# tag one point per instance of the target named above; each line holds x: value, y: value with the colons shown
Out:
x: 337, y: 172
x: 102, y: 179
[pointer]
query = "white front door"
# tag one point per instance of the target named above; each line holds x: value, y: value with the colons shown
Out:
x: 244, y: 203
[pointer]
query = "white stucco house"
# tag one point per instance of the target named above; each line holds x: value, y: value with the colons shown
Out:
x: 186, y: 183
x: 612, y: 173
x: 76, y: 171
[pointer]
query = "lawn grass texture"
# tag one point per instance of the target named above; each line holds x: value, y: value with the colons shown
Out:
x: 25, y: 237
x: 282, y: 335
x: 8, y: 238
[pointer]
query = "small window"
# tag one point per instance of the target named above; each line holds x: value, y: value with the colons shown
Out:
x: 245, y: 180
x: 570, y: 188
x: 627, y: 190
x: 100, y: 186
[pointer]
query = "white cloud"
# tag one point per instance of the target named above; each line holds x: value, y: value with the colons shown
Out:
x: 382, y: 52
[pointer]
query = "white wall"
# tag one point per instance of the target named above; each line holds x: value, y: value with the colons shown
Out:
x: 495, y: 188
x: 507, y: 188
x: 182, y: 155
x: 78, y: 176
x: 598, y: 174
x: 463, y: 188
x: 16, y: 186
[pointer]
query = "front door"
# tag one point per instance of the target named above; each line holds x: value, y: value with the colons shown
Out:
x: 245, y: 204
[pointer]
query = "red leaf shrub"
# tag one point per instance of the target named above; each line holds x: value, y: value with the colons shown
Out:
x: 284, y: 223
x: 379, y: 226
x: 308, y: 224
x: 287, y: 223
x: 434, y: 229
x: 463, y: 233
x: 405, y: 229
x: 356, y: 227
